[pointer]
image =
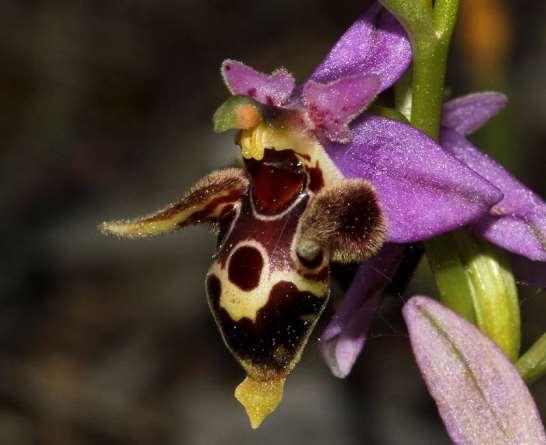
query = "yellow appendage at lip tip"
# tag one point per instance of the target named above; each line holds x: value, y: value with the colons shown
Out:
x: 259, y: 398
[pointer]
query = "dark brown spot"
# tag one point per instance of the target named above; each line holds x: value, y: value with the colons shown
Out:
x: 228, y: 67
x: 284, y: 323
x: 277, y: 180
x: 245, y: 267
x: 251, y: 92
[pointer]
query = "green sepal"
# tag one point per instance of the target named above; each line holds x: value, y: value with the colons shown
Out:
x: 475, y: 280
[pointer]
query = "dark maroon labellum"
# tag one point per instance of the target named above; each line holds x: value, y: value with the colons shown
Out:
x: 280, y: 326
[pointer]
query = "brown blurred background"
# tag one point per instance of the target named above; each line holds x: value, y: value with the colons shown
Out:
x: 105, y: 113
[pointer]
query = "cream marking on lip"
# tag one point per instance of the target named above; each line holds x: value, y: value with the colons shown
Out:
x: 246, y: 304
x: 263, y: 217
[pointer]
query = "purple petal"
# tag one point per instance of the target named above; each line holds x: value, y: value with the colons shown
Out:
x: 331, y: 106
x: 529, y: 273
x: 374, y: 44
x: 479, y: 394
x: 468, y: 113
x: 424, y: 191
x: 518, y: 222
x: 271, y: 89
x: 345, y: 335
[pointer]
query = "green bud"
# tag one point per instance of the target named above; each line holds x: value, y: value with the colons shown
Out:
x: 485, y: 275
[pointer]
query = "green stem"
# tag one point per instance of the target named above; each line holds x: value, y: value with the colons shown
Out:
x: 428, y: 86
x: 473, y: 279
x: 430, y: 49
x: 532, y: 364
x: 430, y: 29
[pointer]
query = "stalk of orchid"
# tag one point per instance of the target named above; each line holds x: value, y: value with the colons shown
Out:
x: 327, y: 180
x: 486, y: 293
x: 430, y: 29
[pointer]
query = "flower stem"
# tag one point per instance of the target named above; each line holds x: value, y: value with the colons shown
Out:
x: 472, y: 278
x: 428, y: 87
x: 532, y: 364
x: 429, y: 29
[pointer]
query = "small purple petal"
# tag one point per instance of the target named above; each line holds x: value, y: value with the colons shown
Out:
x: 479, y: 394
x: 518, y: 222
x: 345, y: 335
x: 374, y: 44
x: 468, y: 113
x: 424, y: 191
x: 243, y: 80
x: 331, y: 106
x: 527, y: 272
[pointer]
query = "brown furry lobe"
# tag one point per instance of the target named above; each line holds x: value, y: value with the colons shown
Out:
x: 203, y: 203
x: 344, y: 219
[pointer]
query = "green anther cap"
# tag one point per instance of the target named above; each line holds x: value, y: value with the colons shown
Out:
x: 237, y: 113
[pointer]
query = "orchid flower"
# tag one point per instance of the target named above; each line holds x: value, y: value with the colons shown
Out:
x: 322, y: 181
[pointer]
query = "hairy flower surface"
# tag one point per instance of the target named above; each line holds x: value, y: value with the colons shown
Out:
x: 321, y: 182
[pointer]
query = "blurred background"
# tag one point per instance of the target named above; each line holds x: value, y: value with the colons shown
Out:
x: 105, y: 113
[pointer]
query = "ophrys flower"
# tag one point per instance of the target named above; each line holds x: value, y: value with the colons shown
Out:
x: 320, y: 182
